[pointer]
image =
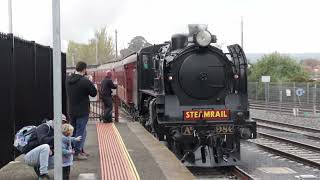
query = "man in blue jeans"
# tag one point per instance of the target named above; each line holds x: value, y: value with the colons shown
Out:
x: 79, y: 88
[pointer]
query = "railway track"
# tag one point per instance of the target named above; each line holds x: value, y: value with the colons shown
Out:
x: 286, y: 104
x: 277, y: 138
x: 286, y: 109
x: 282, y: 108
x: 293, y: 150
x: 308, y: 132
x: 232, y: 172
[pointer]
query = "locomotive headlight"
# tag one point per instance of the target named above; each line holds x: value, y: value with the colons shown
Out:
x: 203, y: 38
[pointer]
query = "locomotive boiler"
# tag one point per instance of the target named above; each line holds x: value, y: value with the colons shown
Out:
x: 190, y: 94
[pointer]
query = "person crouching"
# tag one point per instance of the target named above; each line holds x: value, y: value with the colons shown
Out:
x: 67, y: 151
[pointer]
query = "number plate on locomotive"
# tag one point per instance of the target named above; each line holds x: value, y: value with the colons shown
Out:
x: 187, y: 130
x: 206, y: 115
x: 224, y: 129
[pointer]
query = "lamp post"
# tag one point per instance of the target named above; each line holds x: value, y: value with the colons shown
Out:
x: 57, y: 89
x: 241, y: 32
x: 97, y: 46
x: 116, y: 44
x: 10, y: 16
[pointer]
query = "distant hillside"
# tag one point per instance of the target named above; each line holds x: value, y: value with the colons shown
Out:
x: 253, y: 57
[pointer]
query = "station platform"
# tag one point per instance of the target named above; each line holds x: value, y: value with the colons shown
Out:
x: 118, y: 151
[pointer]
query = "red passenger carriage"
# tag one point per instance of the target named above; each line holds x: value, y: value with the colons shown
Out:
x: 124, y: 72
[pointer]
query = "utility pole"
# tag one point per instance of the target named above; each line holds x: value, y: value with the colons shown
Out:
x: 97, y: 60
x: 57, y: 89
x: 116, y: 45
x: 242, y: 32
x: 73, y: 62
x: 10, y: 16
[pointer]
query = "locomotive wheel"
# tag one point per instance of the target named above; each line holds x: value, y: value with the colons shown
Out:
x: 176, y: 149
x: 152, y: 122
x: 203, y: 154
x: 148, y: 126
x: 155, y: 135
x: 215, y: 155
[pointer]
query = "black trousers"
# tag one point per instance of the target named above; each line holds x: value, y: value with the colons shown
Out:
x: 107, y: 102
x: 66, y: 172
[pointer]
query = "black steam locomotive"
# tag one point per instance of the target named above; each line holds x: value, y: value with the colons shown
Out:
x: 193, y: 97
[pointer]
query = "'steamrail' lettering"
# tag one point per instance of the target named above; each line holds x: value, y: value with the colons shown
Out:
x: 206, y: 115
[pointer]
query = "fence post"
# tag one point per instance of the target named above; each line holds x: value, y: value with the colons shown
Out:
x: 268, y: 85
x: 13, y: 88
x: 280, y: 97
x: 266, y: 94
x: 116, y: 107
x: 294, y: 94
x: 314, y: 99
x: 308, y: 93
x: 257, y: 83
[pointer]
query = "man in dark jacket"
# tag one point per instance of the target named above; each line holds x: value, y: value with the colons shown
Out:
x: 105, y: 94
x: 38, y: 152
x: 79, y: 88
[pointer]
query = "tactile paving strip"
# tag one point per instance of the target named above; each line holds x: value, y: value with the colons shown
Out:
x: 115, y: 160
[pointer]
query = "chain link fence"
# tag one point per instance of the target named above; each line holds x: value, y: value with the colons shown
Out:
x: 286, y: 97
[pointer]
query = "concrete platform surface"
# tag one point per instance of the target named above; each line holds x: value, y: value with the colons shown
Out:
x: 18, y: 170
x: 152, y: 159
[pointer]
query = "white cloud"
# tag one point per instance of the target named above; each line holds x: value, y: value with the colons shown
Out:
x: 270, y: 25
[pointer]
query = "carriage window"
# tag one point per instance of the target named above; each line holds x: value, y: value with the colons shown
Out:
x: 145, y: 59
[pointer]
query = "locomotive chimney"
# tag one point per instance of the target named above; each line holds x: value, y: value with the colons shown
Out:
x: 178, y: 41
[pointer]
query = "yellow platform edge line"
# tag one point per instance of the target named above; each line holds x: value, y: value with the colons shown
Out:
x: 132, y: 166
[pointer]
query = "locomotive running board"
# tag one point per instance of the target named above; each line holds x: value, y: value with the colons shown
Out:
x: 240, y: 66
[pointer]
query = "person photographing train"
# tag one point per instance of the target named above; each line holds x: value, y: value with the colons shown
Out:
x: 106, y: 96
x: 78, y: 89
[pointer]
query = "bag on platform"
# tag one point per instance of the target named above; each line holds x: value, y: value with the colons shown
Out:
x: 23, y: 136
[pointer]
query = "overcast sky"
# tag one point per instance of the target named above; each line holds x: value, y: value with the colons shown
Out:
x: 287, y: 26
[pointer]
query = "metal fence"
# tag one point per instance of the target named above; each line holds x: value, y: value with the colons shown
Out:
x: 26, y: 88
x: 290, y: 97
x: 96, y: 110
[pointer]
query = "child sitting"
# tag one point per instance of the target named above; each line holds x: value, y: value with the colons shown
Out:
x: 67, y: 151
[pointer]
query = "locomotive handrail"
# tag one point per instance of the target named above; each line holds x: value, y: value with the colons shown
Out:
x: 240, y: 64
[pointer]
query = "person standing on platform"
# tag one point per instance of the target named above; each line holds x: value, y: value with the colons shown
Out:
x: 79, y: 88
x: 105, y: 94
x: 67, y: 151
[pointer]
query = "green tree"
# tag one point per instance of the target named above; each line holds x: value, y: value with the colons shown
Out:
x: 135, y: 45
x: 279, y: 67
x: 87, y: 51
x: 105, y: 46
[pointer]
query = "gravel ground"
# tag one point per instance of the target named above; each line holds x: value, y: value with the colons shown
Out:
x: 312, y: 122
x: 264, y: 165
